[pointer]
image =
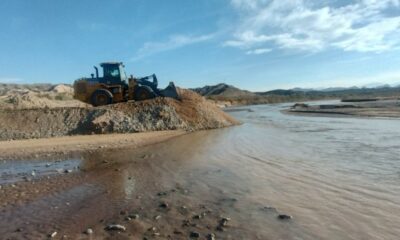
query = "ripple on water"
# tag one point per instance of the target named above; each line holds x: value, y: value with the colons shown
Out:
x: 12, y: 171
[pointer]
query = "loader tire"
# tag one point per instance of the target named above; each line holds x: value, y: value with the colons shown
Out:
x: 143, y: 93
x: 101, y: 97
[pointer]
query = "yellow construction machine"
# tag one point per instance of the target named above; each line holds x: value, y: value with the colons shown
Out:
x: 116, y: 87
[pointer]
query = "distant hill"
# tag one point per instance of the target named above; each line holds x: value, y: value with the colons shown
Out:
x: 223, y: 90
x: 234, y: 96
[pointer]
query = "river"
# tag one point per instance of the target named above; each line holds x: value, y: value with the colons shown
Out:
x: 337, y: 177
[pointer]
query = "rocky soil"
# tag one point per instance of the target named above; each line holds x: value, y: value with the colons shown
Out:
x: 26, y: 113
x: 16, y: 96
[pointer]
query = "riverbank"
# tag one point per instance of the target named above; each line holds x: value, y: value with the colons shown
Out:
x: 69, y: 146
x: 169, y: 190
x: 378, y: 108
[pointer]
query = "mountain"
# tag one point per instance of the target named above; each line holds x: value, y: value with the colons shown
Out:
x: 227, y: 93
x: 222, y: 90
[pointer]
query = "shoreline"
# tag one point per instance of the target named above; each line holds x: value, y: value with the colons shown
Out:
x: 68, y: 146
x: 334, y: 114
x: 377, y: 109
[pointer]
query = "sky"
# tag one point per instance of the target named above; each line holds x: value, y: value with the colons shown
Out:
x: 256, y: 45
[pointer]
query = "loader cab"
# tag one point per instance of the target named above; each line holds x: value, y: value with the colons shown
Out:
x: 114, y: 74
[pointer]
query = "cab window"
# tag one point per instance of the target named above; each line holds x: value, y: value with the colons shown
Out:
x: 123, y: 74
x: 111, y: 72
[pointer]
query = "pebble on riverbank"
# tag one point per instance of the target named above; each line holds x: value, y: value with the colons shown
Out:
x: 115, y: 227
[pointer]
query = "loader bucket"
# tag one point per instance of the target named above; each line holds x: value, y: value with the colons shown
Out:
x: 170, y: 91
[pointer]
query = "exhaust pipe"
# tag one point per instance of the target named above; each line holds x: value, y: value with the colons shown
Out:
x: 97, y: 71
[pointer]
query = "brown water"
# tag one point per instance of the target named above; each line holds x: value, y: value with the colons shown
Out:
x: 338, y: 178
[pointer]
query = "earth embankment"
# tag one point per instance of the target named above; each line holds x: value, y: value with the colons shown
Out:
x: 191, y: 113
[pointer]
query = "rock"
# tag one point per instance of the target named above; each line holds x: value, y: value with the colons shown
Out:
x: 89, y: 231
x: 27, y: 179
x: 177, y: 232
x: 128, y: 218
x: 284, y: 217
x: 197, y: 216
x: 157, y: 217
x: 269, y: 208
x: 67, y: 171
x: 164, y: 205
x: 211, y: 236
x: 48, y: 164
x: 224, y: 222
x: 134, y: 216
x: 53, y: 234
x: 194, y: 235
x: 162, y: 194
x: 300, y: 105
x: 115, y: 227
x: 123, y: 212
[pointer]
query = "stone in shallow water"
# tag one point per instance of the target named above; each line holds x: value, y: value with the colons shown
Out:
x: 115, y: 227
x: 194, y: 235
x: 134, y: 216
x: 211, y: 236
x: 284, y: 217
x: 53, y: 234
x: 224, y: 221
x: 164, y: 205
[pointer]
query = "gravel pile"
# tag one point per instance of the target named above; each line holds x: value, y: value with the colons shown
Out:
x: 192, y: 113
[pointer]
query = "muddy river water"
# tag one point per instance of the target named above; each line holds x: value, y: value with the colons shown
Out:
x: 337, y: 177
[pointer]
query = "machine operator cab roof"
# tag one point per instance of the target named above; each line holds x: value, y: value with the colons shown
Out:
x: 113, y: 73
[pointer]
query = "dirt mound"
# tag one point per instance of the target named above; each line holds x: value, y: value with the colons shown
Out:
x: 62, y: 88
x: 192, y: 113
x: 33, y: 97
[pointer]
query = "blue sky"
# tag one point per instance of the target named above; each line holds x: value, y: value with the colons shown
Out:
x: 252, y: 44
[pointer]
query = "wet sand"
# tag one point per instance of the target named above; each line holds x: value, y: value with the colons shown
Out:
x: 157, y: 192
x: 73, y: 145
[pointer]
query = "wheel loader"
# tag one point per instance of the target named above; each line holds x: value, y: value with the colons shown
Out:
x: 114, y: 86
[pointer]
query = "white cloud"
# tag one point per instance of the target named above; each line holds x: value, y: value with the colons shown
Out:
x: 258, y: 51
x: 361, y: 25
x: 174, y: 42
